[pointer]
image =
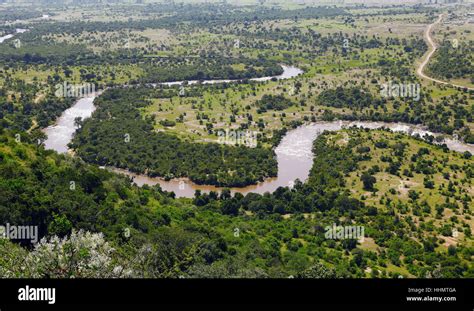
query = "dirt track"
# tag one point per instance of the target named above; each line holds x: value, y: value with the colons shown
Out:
x: 427, y: 57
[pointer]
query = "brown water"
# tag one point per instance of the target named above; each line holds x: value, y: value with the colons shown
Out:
x: 294, y: 159
x: 61, y: 133
x: 293, y: 154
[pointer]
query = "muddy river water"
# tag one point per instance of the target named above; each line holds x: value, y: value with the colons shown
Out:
x: 293, y: 154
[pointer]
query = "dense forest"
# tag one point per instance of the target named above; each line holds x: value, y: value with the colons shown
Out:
x: 452, y: 62
x: 354, y: 98
x: 273, y: 102
x: 118, y: 136
x: 18, y: 111
x: 208, y: 69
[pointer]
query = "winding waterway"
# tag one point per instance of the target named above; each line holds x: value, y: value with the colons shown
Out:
x: 288, y: 72
x: 294, y: 153
x: 9, y: 36
x: 61, y: 133
x: 294, y: 157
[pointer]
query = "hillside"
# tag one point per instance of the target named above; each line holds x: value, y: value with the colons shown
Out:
x: 408, y: 221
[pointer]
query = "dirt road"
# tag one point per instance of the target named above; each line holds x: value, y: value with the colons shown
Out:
x: 427, y: 57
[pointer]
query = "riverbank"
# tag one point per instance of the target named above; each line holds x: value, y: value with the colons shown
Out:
x: 293, y: 154
x: 294, y: 157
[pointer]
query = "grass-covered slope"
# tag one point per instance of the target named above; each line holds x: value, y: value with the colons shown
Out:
x: 408, y: 231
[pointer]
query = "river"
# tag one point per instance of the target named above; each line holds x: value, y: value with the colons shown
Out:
x: 9, y: 36
x: 288, y: 72
x: 294, y: 157
x: 61, y: 133
x: 294, y: 153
